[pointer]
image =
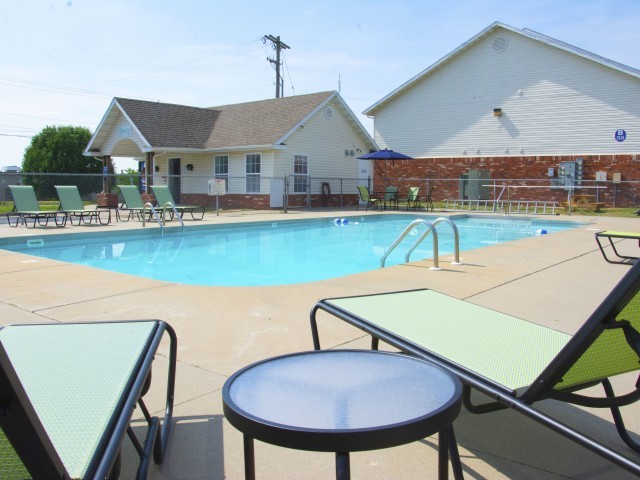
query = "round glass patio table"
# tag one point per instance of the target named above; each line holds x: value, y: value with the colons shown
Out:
x: 343, y: 401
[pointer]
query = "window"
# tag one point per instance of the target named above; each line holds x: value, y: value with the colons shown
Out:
x: 221, y: 169
x: 300, y: 172
x: 253, y: 172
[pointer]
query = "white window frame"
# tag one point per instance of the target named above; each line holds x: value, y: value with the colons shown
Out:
x: 217, y: 174
x: 300, y: 178
x: 252, y: 182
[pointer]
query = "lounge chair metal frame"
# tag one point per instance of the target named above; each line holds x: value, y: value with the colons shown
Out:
x: 26, y: 433
x: 25, y: 206
x: 609, y: 235
x: 71, y: 204
x: 605, y: 325
x: 164, y: 197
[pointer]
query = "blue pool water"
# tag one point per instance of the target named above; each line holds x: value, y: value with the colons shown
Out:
x: 265, y: 253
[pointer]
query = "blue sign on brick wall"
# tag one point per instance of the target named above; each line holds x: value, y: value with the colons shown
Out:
x: 621, y: 135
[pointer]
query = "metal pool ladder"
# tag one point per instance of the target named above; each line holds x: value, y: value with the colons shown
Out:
x: 175, y: 213
x: 161, y: 223
x: 431, y: 228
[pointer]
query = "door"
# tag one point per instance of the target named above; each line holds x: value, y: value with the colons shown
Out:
x: 174, y: 179
x: 276, y: 193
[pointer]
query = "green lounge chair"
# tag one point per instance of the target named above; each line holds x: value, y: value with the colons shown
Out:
x: 164, y: 198
x: 25, y: 206
x: 366, y: 198
x: 132, y: 204
x: 71, y: 204
x: 514, y: 362
x: 68, y: 395
x: 624, y: 259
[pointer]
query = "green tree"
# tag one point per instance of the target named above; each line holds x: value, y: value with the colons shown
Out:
x: 59, y: 150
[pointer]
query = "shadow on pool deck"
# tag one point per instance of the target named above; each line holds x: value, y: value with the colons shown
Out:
x: 555, y: 280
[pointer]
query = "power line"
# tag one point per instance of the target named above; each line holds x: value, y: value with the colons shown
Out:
x: 289, y: 75
x: 151, y: 74
x: 13, y: 135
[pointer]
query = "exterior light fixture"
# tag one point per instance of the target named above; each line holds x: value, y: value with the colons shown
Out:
x: 497, y: 112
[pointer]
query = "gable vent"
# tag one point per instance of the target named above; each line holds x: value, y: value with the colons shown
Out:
x: 500, y: 44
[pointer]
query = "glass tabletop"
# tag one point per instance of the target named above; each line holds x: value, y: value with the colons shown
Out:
x: 342, y: 392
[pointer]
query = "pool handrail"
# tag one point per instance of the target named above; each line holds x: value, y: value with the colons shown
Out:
x: 155, y: 214
x: 456, y: 240
x: 175, y: 213
x: 431, y: 228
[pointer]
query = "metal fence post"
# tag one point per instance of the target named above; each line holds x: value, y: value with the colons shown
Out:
x: 285, y: 200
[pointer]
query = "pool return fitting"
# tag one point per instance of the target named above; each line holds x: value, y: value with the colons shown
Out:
x: 431, y: 228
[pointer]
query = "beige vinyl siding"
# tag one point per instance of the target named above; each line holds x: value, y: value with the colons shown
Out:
x: 324, y: 140
x: 196, y: 181
x: 125, y: 137
x: 553, y: 102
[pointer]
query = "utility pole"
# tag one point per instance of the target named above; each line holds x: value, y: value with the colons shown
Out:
x: 277, y: 46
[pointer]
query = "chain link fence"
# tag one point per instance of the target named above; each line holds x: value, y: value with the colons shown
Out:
x: 260, y: 194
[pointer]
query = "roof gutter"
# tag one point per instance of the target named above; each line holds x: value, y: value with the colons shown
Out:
x: 217, y: 149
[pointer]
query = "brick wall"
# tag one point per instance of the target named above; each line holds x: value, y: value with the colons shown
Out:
x: 509, y: 168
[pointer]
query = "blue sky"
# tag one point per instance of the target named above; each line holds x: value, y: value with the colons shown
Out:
x: 62, y: 61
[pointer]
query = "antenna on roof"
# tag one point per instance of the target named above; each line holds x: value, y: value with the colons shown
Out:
x: 277, y: 46
x: 339, y: 83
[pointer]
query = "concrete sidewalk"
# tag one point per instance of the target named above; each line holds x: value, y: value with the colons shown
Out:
x: 556, y: 280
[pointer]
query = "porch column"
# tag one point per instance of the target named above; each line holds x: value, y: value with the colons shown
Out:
x: 149, y: 170
x: 107, y: 169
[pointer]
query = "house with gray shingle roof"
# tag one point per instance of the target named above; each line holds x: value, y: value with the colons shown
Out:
x: 307, y: 139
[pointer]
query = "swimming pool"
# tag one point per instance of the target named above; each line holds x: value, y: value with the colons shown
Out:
x: 273, y: 253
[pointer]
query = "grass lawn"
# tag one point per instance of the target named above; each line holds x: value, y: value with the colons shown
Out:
x: 6, y: 207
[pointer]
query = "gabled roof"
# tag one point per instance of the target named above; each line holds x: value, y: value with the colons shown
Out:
x: 264, y: 122
x: 163, y: 126
x: 167, y: 125
x: 524, y: 32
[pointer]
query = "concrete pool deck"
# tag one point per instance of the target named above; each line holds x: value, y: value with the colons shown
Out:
x: 556, y: 280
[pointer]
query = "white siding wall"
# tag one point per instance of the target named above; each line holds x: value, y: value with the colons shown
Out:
x: 324, y: 141
x: 196, y: 180
x: 553, y: 102
x: 123, y: 140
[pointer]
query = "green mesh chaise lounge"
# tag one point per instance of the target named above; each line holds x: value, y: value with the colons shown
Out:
x: 514, y: 362
x: 68, y: 393
x: 71, y: 204
x: 26, y: 206
x: 164, y: 198
x: 132, y: 204
x: 609, y: 235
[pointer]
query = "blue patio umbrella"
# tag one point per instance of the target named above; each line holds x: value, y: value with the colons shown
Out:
x: 385, y: 154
